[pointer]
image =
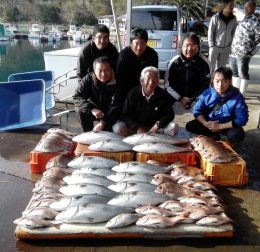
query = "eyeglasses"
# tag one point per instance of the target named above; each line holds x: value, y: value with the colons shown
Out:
x: 189, y: 46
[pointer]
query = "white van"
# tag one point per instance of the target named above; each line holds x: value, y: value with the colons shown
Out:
x: 163, y: 24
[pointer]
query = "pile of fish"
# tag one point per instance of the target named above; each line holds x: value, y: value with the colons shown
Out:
x: 90, y: 189
x: 211, y: 150
x: 142, y: 142
x: 56, y: 140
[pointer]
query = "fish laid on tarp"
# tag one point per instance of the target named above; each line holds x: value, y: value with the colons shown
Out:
x: 211, y: 150
x: 122, y: 220
x: 154, y: 210
x: 128, y: 186
x: 124, y: 177
x: 198, y: 212
x: 79, y: 189
x: 60, y: 160
x: 90, y: 213
x: 55, y: 195
x: 40, y: 203
x: 154, y: 221
x: 173, y: 190
x: 163, y: 178
x: 149, y: 137
x: 92, y: 162
x: 174, y: 205
x: 201, y: 185
x: 214, y: 220
x: 57, y: 172
x: 94, y: 171
x: 41, y: 212
x: 193, y: 199
x: 159, y: 148
x: 87, y: 178
x: 110, y: 146
x: 136, y: 199
x: 135, y: 167
x: 71, y: 201
x: 36, y: 222
x: 91, y: 137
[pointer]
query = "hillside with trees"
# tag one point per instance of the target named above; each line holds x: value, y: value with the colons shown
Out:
x: 86, y: 12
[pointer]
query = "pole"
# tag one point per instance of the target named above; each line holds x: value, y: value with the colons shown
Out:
x: 128, y: 21
x: 116, y: 25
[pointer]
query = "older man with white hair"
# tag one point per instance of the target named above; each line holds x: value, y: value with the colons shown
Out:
x: 147, y: 107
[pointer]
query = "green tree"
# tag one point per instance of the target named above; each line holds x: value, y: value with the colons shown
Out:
x: 49, y: 14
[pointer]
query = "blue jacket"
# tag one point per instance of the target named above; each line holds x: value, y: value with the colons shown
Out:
x: 231, y: 107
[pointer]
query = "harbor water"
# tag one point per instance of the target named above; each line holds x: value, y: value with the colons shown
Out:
x: 26, y: 55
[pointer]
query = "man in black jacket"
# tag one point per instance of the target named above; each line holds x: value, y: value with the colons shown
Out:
x: 98, y: 46
x: 98, y: 98
x: 147, y: 107
x: 133, y: 59
x: 188, y: 73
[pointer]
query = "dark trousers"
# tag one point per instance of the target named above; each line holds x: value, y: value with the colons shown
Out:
x: 87, y: 121
x: 233, y: 135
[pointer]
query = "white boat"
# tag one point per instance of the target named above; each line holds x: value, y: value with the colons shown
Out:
x: 72, y: 31
x: 34, y: 32
x: 80, y: 37
x: 60, y: 62
x: 54, y: 36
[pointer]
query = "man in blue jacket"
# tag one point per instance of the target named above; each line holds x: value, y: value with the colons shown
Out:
x: 221, y: 110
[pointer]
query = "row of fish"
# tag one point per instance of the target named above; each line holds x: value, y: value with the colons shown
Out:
x: 211, y: 150
x: 142, y: 142
x: 90, y: 189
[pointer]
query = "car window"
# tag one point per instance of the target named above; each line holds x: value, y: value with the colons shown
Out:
x: 155, y: 20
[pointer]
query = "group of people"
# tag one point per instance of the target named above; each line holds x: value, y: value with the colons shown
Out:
x: 120, y: 92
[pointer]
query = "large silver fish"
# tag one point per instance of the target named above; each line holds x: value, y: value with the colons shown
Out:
x: 135, y: 167
x: 79, y: 189
x: 71, y: 201
x: 124, y: 187
x: 110, y: 146
x: 122, y: 220
x: 91, y: 137
x: 94, y: 171
x: 141, y: 138
x: 159, y: 148
x: 87, y: 178
x: 90, y: 213
x: 136, y: 199
x: 124, y: 177
x: 92, y: 162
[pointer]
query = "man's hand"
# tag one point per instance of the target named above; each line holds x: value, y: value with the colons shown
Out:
x: 186, y: 102
x: 99, y: 127
x: 97, y: 113
x: 214, y: 126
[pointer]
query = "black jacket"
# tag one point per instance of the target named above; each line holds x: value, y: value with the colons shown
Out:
x: 105, y: 97
x: 89, y: 52
x: 188, y: 77
x: 137, y: 111
x: 129, y: 66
